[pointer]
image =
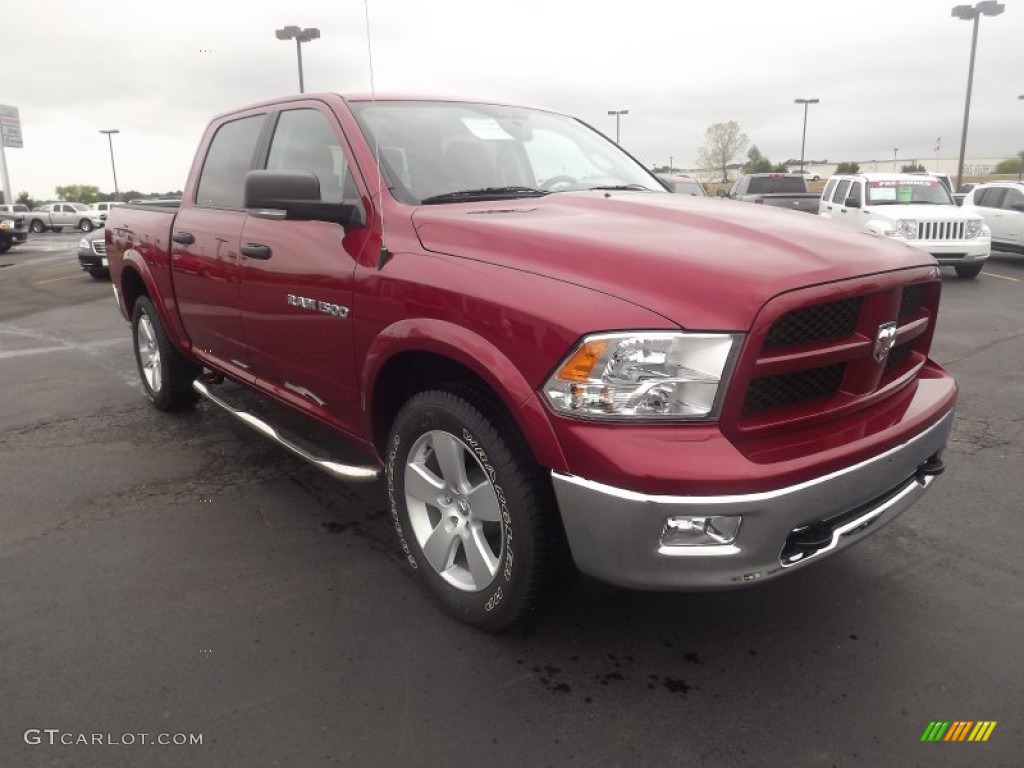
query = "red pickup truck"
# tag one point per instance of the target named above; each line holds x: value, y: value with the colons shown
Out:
x: 547, y: 357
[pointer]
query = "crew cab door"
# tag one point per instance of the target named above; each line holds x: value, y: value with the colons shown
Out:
x: 297, y: 276
x: 1010, y: 218
x: 205, y: 260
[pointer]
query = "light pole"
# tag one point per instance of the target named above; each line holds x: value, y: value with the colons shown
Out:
x: 1020, y: 155
x: 110, y: 141
x: 894, y: 151
x: 803, y: 140
x: 618, y: 113
x: 971, y: 13
x: 671, y: 166
x: 300, y: 36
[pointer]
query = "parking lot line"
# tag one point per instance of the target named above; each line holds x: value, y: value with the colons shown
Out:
x: 54, y: 280
x: 1004, y: 277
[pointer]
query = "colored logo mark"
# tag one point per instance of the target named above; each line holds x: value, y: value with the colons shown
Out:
x: 959, y: 730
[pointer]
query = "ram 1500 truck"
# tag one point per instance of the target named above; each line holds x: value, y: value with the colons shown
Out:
x: 547, y: 357
x: 780, y: 190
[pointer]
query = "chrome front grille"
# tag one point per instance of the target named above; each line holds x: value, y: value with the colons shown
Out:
x: 99, y: 247
x: 941, y: 230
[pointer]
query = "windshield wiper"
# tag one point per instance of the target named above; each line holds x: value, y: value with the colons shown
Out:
x: 484, y: 193
x: 621, y: 188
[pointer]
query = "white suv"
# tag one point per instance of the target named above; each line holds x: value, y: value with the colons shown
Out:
x: 915, y: 209
x: 1001, y: 205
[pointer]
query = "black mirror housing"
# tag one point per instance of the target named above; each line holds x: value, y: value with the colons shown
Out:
x: 852, y: 202
x: 297, y: 193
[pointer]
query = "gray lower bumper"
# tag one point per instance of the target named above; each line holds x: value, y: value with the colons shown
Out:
x: 615, y: 534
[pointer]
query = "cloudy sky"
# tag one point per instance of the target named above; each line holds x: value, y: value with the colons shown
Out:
x: 889, y: 73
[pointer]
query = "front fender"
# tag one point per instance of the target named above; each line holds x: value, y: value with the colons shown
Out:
x: 479, y: 355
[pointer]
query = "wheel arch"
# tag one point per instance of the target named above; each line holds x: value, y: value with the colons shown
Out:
x: 137, y: 279
x: 414, y: 355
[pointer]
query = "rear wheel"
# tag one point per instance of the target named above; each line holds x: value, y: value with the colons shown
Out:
x: 166, y: 375
x: 473, y: 511
x: 5, y: 245
x: 968, y: 270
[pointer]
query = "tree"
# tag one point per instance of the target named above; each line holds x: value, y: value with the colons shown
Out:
x: 756, y: 162
x: 722, y: 142
x: 24, y: 199
x: 1011, y: 164
x: 914, y: 167
x: 78, y: 193
x: 848, y: 167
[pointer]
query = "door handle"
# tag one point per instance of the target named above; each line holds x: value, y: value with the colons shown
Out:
x: 256, y: 251
x: 183, y: 238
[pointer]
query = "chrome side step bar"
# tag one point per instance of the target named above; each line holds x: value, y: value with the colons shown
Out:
x: 347, y: 472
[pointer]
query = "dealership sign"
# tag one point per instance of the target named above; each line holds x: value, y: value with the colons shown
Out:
x: 10, y: 127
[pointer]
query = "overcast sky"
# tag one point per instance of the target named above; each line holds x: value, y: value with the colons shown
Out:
x: 889, y: 73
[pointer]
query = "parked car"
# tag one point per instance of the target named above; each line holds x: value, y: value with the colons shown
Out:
x: 1001, y: 205
x: 779, y: 190
x: 13, y: 230
x: 92, y: 255
x: 104, y: 207
x: 14, y: 208
x: 805, y: 174
x: 681, y: 394
x: 911, y: 208
x: 683, y: 185
x: 55, y: 216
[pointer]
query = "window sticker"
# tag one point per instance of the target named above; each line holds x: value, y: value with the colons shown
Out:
x: 883, y: 193
x: 905, y: 194
x: 486, y: 128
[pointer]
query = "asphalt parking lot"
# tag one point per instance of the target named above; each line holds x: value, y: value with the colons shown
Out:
x: 179, y: 575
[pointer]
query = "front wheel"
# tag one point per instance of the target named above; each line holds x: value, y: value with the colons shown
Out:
x: 968, y: 270
x: 5, y: 245
x: 473, y: 511
x: 166, y: 375
x: 37, y: 226
x: 85, y: 225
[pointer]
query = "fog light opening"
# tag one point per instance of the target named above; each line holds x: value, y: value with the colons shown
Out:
x: 716, y: 530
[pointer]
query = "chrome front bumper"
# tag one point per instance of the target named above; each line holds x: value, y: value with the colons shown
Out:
x: 615, y: 534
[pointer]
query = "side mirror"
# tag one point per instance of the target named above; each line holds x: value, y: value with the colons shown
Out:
x: 721, y: 193
x: 297, y: 193
x: 1019, y: 207
x: 852, y: 202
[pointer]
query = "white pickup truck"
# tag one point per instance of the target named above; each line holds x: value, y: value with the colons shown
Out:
x: 913, y: 208
x: 56, y: 216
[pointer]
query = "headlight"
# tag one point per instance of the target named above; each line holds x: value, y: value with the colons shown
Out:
x: 6, y: 224
x: 907, y: 228
x: 974, y: 228
x: 83, y: 243
x: 643, y: 375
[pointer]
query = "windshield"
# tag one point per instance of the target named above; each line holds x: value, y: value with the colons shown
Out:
x: 432, y: 151
x: 80, y: 207
x: 688, y: 188
x: 908, y: 191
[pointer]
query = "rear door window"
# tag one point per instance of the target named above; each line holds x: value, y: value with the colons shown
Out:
x: 228, y: 159
x: 989, y: 198
x: 829, y: 189
x: 1011, y: 198
x: 841, y: 191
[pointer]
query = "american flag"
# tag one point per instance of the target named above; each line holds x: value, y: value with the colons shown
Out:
x: 938, y: 144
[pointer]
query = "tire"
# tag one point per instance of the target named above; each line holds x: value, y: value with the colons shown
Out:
x: 85, y: 225
x: 166, y: 375
x: 968, y: 270
x: 99, y: 273
x: 5, y: 245
x: 37, y: 226
x: 463, y: 486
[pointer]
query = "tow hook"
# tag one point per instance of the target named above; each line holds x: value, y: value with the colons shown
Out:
x: 933, y: 467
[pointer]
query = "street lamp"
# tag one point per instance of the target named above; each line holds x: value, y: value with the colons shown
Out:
x: 894, y: 151
x: 300, y: 36
x: 803, y: 141
x: 972, y: 13
x: 1020, y: 155
x: 110, y: 141
x: 618, y: 113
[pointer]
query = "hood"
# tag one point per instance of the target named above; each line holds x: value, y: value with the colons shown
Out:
x: 922, y: 212
x: 704, y: 263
